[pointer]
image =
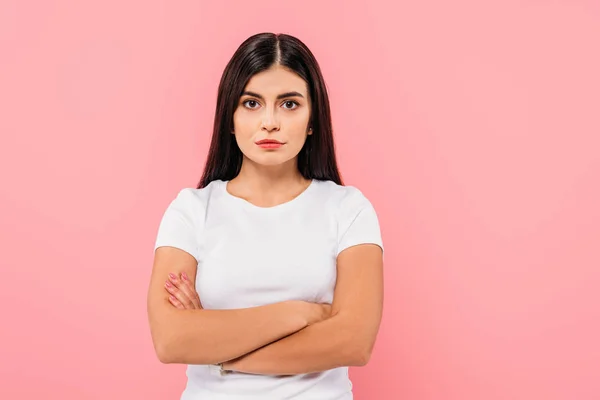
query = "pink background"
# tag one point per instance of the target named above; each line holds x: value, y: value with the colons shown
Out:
x: 473, y: 126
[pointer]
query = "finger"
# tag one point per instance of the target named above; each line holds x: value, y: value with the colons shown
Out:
x: 190, y: 290
x: 191, y: 293
x: 183, y: 294
x: 179, y: 295
x: 176, y: 302
x: 185, y: 285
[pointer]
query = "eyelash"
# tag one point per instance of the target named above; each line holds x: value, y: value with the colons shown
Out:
x: 287, y: 101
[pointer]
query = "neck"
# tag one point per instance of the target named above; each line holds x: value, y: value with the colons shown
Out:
x: 267, y: 179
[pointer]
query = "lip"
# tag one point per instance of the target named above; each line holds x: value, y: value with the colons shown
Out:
x: 269, y: 144
x: 268, y: 141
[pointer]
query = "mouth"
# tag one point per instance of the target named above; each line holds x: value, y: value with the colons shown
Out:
x: 269, y: 144
x: 268, y: 141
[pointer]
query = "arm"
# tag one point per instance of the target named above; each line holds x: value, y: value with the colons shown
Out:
x: 345, y: 339
x: 198, y: 336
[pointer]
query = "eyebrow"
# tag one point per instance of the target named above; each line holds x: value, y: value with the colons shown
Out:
x: 281, y: 96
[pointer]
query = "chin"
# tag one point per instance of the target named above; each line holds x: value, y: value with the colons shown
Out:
x: 270, y: 159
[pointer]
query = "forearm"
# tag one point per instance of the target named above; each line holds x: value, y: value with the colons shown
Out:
x: 328, y: 344
x: 212, y: 336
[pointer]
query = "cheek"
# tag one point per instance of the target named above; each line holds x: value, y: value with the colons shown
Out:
x: 244, y: 128
x: 293, y: 147
x: 238, y: 123
x: 243, y: 120
x: 245, y: 143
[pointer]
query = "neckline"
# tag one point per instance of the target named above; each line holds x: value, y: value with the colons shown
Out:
x: 281, y: 206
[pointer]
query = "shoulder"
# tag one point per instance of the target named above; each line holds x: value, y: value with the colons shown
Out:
x: 343, y: 197
x: 356, y: 218
x: 193, y: 200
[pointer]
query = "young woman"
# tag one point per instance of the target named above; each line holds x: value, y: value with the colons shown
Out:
x: 267, y: 278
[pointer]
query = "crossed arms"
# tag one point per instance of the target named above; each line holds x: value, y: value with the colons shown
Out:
x: 275, y: 339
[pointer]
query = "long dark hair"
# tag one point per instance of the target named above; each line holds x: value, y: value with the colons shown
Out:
x: 259, y: 52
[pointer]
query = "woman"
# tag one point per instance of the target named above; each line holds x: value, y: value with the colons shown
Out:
x: 267, y: 277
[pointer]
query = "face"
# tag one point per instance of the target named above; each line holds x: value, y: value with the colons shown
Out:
x: 274, y: 106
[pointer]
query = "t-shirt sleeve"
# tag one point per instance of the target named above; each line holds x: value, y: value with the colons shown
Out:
x: 358, y: 222
x: 178, y: 226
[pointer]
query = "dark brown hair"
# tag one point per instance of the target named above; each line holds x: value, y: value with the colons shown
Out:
x: 259, y: 52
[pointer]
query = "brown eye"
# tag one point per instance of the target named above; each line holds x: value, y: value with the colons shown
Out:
x: 253, y: 102
x: 292, y: 103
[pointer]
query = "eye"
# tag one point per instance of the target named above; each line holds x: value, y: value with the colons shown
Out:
x: 254, y: 102
x: 288, y: 105
x: 291, y: 102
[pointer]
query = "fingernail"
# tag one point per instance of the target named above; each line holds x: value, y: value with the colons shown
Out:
x: 168, y: 284
x: 184, y: 276
x: 172, y: 276
x: 172, y: 298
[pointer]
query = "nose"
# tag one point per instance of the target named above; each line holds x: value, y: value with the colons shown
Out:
x: 270, y: 121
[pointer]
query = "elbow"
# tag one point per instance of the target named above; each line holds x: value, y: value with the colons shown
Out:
x: 363, y: 358
x: 163, y: 348
x: 163, y: 356
x: 162, y: 353
x: 361, y: 354
x: 172, y: 353
x: 166, y: 344
x: 358, y: 346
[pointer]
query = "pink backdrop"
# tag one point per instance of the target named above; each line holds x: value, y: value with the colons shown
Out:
x: 472, y: 126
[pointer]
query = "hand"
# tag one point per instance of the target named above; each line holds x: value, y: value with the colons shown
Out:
x: 183, y: 295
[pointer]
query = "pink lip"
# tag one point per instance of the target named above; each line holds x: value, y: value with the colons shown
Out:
x: 269, y: 144
x: 268, y: 141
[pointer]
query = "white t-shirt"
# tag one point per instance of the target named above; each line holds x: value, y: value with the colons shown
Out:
x: 251, y: 256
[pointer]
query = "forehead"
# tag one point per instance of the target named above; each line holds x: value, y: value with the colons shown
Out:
x: 276, y: 80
